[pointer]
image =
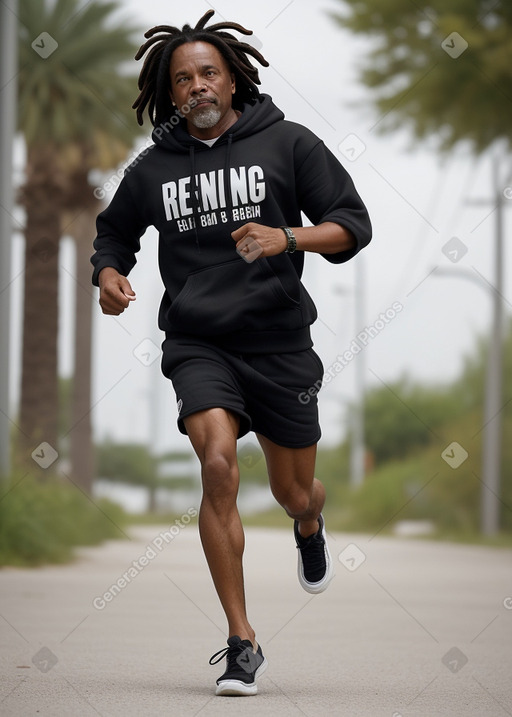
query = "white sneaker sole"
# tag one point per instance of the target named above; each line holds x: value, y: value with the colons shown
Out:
x: 237, y: 687
x: 321, y: 585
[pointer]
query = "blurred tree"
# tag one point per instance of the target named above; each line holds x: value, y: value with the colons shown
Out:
x: 79, y: 221
x: 470, y: 388
x: 73, y: 102
x: 444, y: 70
x: 79, y: 428
x: 127, y: 463
x: 402, y: 417
x: 443, y: 67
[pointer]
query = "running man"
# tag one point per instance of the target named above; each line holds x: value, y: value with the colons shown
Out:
x: 225, y: 184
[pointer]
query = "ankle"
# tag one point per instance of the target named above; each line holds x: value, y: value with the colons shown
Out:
x: 245, y: 635
x: 308, y: 527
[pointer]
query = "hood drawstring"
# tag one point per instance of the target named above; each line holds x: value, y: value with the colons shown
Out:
x: 227, y: 179
x: 195, y: 192
x: 195, y: 187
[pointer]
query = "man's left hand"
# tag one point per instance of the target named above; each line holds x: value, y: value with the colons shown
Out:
x: 257, y: 240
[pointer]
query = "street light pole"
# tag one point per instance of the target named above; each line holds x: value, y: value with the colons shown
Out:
x: 357, y: 455
x: 492, y: 430
x: 8, y: 96
x: 491, y: 458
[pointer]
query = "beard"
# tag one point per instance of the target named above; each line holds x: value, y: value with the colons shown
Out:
x: 206, y: 117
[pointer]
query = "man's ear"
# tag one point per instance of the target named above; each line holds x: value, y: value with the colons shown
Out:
x: 172, y: 98
x: 233, y: 84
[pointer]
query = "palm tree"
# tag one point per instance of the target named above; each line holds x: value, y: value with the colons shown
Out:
x: 79, y: 222
x: 72, y: 94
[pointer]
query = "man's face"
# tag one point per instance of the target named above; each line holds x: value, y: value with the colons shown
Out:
x: 202, y: 88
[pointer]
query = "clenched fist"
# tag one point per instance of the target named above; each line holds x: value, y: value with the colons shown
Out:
x: 115, y: 292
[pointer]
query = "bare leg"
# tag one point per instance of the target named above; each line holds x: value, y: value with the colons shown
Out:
x: 213, y: 434
x: 291, y: 473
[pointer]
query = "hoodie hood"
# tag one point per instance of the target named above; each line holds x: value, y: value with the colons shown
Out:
x: 255, y: 117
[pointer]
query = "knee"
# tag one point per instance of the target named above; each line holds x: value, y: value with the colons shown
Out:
x: 296, y: 502
x: 220, y: 476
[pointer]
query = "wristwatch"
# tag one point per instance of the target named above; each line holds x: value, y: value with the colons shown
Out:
x: 292, y: 241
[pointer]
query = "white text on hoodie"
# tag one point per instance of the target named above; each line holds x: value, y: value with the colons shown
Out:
x: 247, y: 186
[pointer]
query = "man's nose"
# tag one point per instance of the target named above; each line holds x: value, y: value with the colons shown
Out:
x: 198, y: 85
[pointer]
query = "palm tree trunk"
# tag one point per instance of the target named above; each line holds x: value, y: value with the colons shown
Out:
x: 39, y: 389
x: 82, y: 229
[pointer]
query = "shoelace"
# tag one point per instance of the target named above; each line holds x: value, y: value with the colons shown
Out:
x: 314, y: 545
x: 231, y: 652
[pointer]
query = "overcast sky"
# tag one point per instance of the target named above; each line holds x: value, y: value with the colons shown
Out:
x: 418, y: 202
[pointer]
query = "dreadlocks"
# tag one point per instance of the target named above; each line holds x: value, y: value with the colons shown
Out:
x: 154, y: 80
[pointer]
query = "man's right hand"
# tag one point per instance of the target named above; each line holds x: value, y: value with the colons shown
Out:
x: 115, y: 292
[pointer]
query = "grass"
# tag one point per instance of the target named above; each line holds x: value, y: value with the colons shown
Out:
x: 277, y: 518
x: 501, y: 540
x: 153, y: 518
x: 42, y: 522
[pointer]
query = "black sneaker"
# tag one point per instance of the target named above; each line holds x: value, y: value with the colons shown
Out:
x: 314, y: 568
x: 243, y: 667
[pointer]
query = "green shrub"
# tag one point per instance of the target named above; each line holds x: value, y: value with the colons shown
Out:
x: 43, y: 522
x: 424, y: 487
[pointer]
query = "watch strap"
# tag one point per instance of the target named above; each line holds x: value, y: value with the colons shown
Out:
x: 292, y: 241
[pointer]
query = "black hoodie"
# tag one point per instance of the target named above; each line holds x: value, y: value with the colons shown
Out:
x: 263, y: 169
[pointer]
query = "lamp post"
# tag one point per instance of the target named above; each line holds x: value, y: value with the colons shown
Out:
x: 357, y: 456
x: 491, y: 459
x: 492, y: 430
x: 8, y: 95
x: 356, y: 419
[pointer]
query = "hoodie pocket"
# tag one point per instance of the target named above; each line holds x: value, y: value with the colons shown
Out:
x: 234, y: 296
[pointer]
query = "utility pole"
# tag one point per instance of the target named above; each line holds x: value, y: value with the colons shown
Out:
x: 8, y: 98
x: 492, y: 431
x: 491, y: 460
x: 357, y: 454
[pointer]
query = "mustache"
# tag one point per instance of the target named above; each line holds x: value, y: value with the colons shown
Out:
x: 196, y: 100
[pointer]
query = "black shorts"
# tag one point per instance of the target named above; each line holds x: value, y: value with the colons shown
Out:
x: 273, y: 394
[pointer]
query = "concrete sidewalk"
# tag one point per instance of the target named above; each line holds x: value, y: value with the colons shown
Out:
x: 407, y: 628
